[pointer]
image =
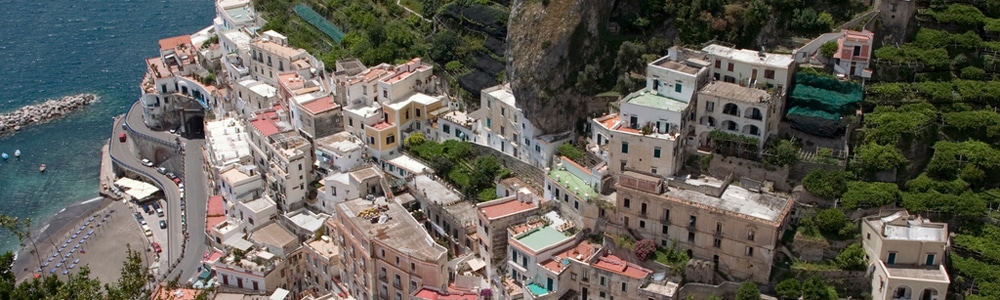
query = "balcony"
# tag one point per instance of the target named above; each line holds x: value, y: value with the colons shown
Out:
x: 382, y: 278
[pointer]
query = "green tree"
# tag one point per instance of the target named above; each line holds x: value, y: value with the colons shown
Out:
x: 873, y: 157
x: 828, y: 49
x: 825, y: 183
x: 714, y: 297
x: 415, y: 139
x: 748, y: 291
x: 789, y: 288
x: 629, y: 57
x: 815, y: 289
x: 586, y: 80
x: 441, y: 165
x: 862, y: 194
x: 830, y: 220
x: 783, y: 153
x: 453, y: 66
x: 852, y: 258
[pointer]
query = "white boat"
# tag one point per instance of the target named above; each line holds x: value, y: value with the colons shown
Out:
x: 17, y: 153
x: 41, y: 168
x: 5, y: 156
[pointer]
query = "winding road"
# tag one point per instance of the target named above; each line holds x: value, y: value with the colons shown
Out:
x: 195, y: 190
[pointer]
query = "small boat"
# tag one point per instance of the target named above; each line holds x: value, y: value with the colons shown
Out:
x: 17, y: 153
x: 41, y: 168
x: 5, y: 156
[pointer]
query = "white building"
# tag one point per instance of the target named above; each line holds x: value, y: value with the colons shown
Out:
x: 504, y: 127
x: 339, y: 153
x: 286, y: 157
x: 906, y: 257
x: 751, y: 68
x: 241, y: 183
x: 253, y: 95
x: 270, y: 56
x: 343, y: 186
x: 170, y: 92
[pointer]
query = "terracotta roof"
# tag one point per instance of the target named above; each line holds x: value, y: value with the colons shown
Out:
x: 211, y: 222
x: 509, y: 207
x: 171, y: 43
x: 617, y: 265
x: 215, y: 206
x: 382, y: 125
x: 320, y: 105
x: 265, y: 123
x: 581, y: 252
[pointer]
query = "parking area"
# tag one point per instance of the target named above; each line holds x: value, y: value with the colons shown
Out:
x: 150, y: 214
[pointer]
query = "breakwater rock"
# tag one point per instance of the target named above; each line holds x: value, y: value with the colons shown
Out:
x: 43, y: 112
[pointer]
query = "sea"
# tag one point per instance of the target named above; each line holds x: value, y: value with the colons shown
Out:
x: 55, y: 48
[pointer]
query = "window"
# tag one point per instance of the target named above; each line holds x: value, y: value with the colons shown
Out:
x: 677, y: 87
x: 709, y: 106
x: 624, y: 287
x: 538, y: 148
x: 503, y: 131
x: 503, y: 111
x: 642, y: 224
x: 656, y: 152
x: 390, y: 139
x: 627, y: 202
x: 623, y: 165
x: 769, y: 74
x: 730, y: 67
x: 750, y: 234
x: 418, y: 112
x: 664, y: 229
x: 666, y: 215
x: 602, y: 281
x: 718, y: 227
x: 869, y: 236
x: 446, y: 128
x: 489, y: 123
x: 407, y: 115
x: 350, y: 122
x: 692, y: 221
x: 749, y: 251
x: 489, y: 103
x: 717, y: 243
x: 603, y: 294
x: 624, y: 148
x: 718, y: 64
x: 731, y: 109
x: 691, y: 236
x: 892, y: 258
x: 382, y: 253
x: 656, y: 84
x: 930, y: 259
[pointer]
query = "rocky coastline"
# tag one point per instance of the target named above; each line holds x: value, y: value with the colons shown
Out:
x: 43, y: 112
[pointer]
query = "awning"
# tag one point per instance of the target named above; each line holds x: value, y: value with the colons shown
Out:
x: 476, y: 264
x: 238, y: 243
x: 137, y: 189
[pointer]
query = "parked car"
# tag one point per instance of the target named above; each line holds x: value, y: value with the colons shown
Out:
x: 147, y: 208
x: 147, y: 162
x: 122, y: 137
x: 161, y: 170
x: 181, y: 186
x: 177, y: 181
x: 163, y: 224
x: 159, y: 212
x: 157, y: 248
x: 156, y: 204
x: 171, y: 175
x: 146, y: 230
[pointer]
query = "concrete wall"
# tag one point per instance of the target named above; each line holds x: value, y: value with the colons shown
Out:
x: 701, y: 291
x: 723, y: 166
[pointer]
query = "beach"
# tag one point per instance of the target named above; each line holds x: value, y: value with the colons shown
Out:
x: 111, y: 227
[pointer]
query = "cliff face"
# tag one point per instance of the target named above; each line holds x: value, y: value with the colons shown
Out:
x: 546, y: 44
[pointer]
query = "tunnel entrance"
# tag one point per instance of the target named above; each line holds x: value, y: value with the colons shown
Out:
x: 194, y: 127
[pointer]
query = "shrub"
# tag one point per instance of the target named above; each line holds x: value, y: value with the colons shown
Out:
x: 873, y: 157
x: 826, y: 184
x: 830, y: 220
x: 748, y: 291
x: 570, y: 151
x: 852, y: 258
x: 453, y: 66
x: 829, y: 49
x: 644, y: 249
x: 789, y: 288
x: 973, y: 73
x: 869, y: 194
x: 782, y: 154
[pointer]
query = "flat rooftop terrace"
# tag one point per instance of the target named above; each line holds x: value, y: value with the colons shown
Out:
x: 399, y: 230
x: 738, y: 200
x: 572, y: 183
x: 656, y: 101
x: 543, y: 238
x: 676, y: 66
x: 735, y: 92
x: 935, y: 273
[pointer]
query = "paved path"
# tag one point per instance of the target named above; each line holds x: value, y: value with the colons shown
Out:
x: 126, y: 158
x: 195, y: 190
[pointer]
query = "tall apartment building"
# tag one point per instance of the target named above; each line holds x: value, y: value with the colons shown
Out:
x: 450, y: 216
x: 270, y: 56
x: 171, y: 96
x: 253, y: 95
x: 735, y: 109
x: 387, y: 254
x: 906, y: 256
x: 286, y: 157
x: 737, y: 228
x: 495, y: 216
x: 577, y: 190
x: 756, y: 69
x: 234, y: 21
x: 503, y: 126
x: 650, y: 130
x: 227, y: 146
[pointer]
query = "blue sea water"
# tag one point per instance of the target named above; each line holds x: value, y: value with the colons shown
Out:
x: 55, y: 48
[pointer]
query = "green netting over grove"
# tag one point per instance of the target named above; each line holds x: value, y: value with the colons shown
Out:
x: 818, y: 96
x: 321, y: 23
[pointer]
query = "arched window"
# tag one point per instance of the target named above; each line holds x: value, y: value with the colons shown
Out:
x: 753, y: 113
x: 731, y: 109
x: 751, y: 130
x: 730, y: 125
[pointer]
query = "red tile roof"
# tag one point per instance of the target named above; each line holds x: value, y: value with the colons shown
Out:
x: 509, y: 207
x: 171, y: 43
x: 211, y: 222
x: 617, y: 265
x: 382, y: 125
x: 428, y: 294
x: 581, y: 252
x: 265, y: 123
x: 320, y: 105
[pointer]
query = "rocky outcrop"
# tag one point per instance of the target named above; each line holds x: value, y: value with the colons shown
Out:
x: 546, y: 43
x: 43, y: 112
